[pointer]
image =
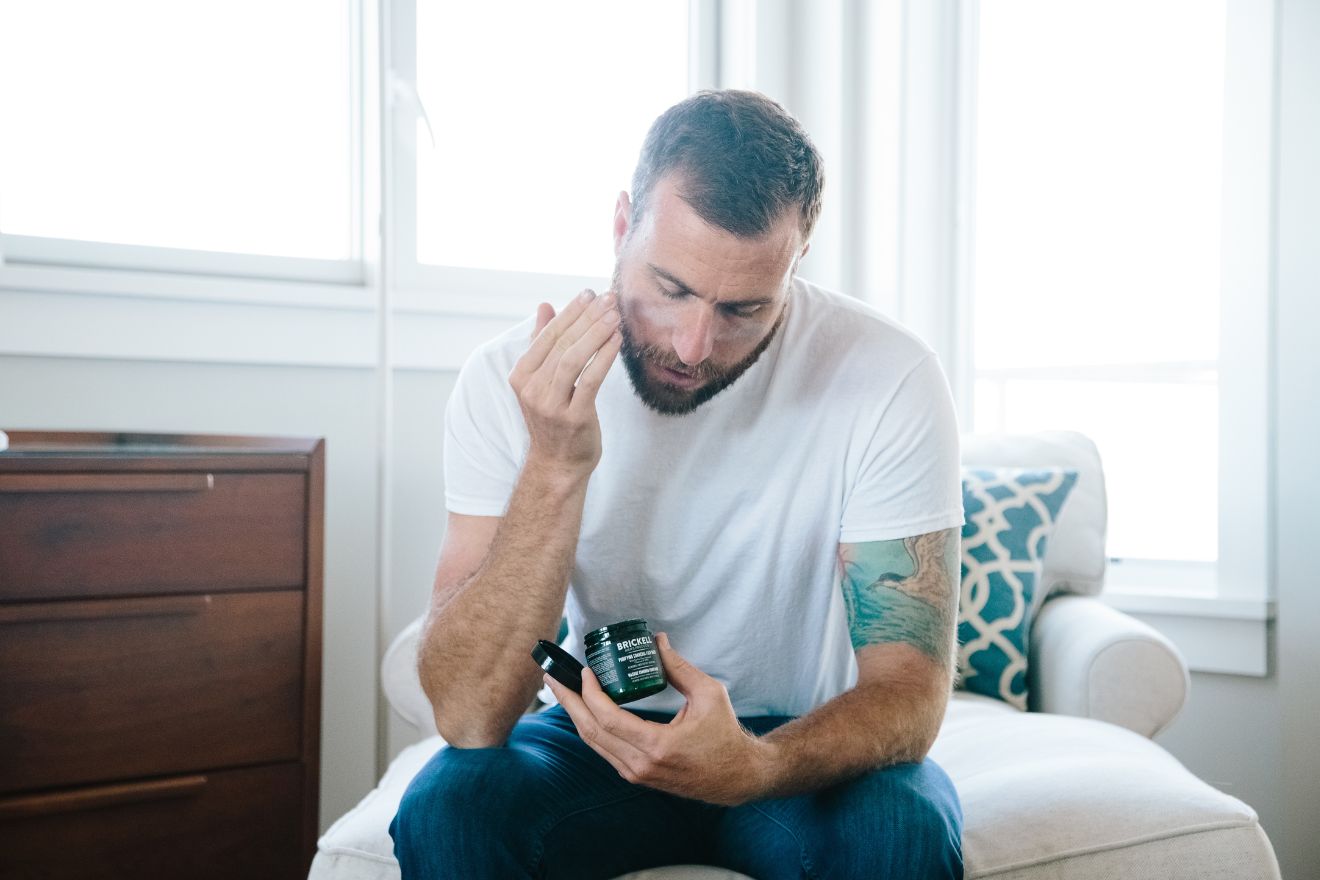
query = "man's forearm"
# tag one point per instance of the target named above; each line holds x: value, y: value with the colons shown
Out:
x: 474, y: 663
x: 860, y: 730
x: 902, y: 600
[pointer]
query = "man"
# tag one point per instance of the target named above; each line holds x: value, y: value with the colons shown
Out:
x: 772, y: 482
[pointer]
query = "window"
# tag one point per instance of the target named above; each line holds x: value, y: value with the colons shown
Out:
x: 531, y: 117
x: 1096, y: 263
x: 136, y: 126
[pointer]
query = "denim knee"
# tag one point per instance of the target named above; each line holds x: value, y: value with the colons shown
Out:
x: 932, y: 821
x: 462, y: 809
x: 904, y: 820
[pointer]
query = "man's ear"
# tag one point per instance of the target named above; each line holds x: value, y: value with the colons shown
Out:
x: 622, y: 217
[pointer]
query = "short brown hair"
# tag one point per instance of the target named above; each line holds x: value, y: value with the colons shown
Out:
x: 744, y: 161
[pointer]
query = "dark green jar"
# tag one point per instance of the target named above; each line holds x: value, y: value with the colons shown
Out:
x: 624, y: 659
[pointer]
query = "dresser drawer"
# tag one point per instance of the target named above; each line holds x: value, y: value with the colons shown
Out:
x: 66, y: 535
x: 116, y: 689
x: 226, y: 825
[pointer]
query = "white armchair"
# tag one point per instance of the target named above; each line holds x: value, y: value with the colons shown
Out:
x: 1073, y: 789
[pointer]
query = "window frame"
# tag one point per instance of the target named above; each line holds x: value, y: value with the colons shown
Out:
x: 1243, y: 576
x: 67, y: 298
x: 38, y: 251
x: 25, y: 252
x: 422, y: 287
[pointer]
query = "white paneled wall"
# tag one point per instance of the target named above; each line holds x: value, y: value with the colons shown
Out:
x: 418, y: 507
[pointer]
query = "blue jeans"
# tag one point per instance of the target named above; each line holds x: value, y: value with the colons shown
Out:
x: 546, y: 805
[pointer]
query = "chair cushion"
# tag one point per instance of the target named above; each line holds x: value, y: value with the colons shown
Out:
x: 359, y: 847
x: 1043, y: 796
x: 1010, y: 514
x: 1054, y: 796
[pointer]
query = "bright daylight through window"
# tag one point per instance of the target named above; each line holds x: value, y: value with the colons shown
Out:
x: 207, y: 126
x: 537, y: 132
x: 1096, y: 267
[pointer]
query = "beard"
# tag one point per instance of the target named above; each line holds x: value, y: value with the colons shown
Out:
x: 663, y: 397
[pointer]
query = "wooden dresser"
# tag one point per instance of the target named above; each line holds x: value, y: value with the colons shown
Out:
x: 160, y: 655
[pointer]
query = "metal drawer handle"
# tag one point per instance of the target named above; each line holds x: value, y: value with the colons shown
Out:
x: 103, y: 609
x: 104, y: 796
x: 107, y: 482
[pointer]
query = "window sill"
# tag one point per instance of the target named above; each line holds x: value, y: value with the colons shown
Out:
x: 1226, y: 636
x: 1184, y: 605
x: 34, y: 278
x: 161, y: 316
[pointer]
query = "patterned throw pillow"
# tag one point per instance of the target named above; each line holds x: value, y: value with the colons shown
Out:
x: 1010, y: 515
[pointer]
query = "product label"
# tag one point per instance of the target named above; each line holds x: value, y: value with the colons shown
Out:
x: 628, y: 644
x: 604, y: 670
x: 625, y: 665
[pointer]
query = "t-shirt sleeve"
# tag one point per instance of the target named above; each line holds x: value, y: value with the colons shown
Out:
x: 484, y: 441
x: 910, y: 480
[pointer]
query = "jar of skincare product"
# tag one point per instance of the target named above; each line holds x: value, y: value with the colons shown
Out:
x: 625, y: 661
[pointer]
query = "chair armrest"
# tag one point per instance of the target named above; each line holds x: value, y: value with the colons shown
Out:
x: 1094, y: 661
x: 402, y: 684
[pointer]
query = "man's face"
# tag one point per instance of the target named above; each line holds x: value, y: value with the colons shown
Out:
x: 698, y: 305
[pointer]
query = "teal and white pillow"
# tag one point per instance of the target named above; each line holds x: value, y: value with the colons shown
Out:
x: 1010, y: 514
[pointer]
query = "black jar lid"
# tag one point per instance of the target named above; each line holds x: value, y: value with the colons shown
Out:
x: 614, y: 629
x: 561, y: 665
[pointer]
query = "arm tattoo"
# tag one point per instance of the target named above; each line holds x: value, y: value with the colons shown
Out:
x: 905, y: 590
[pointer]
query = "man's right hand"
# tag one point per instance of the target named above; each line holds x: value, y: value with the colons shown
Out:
x: 556, y: 386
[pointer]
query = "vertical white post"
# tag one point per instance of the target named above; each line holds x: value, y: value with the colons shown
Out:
x: 385, y: 39
x: 930, y: 236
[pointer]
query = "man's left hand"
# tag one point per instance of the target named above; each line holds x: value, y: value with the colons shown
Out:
x: 702, y: 753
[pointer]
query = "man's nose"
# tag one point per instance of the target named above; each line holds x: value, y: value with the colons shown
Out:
x: 694, y: 339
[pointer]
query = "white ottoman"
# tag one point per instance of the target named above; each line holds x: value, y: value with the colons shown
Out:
x: 1044, y: 796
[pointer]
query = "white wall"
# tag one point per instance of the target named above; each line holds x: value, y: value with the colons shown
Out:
x: 1227, y: 735
x: 418, y: 506
x: 1297, y: 408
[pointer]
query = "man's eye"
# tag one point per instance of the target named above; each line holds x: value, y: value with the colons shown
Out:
x: 735, y: 311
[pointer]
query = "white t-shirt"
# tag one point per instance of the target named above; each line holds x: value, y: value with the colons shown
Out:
x: 721, y: 527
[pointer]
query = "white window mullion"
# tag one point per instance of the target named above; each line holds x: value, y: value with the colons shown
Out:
x: 357, y: 133
x: 927, y: 292
x: 706, y: 49
x: 1246, y: 411
x: 400, y: 82
x: 960, y: 367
